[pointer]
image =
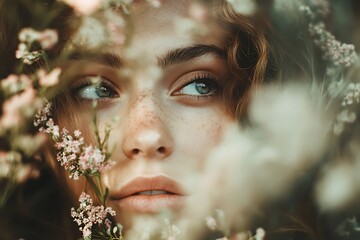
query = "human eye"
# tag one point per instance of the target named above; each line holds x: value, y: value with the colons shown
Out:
x: 94, y: 89
x: 199, y: 85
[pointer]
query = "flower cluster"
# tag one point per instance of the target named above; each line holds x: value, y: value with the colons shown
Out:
x: 352, y: 94
x: 47, y: 79
x: 22, y: 101
x: 340, y: 54
x: 74, y: 155
x: 11, y: 165
x: 217, y: 224
x: 88, y: 215
x: 349, y: 226
x: 14, y: 84
x: 170, y: 231
x: 27, y: 36
x: 79, y: 158
x: 46, y: 123
x: 21, y: 97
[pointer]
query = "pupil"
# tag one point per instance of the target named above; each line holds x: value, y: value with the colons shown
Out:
x: 202, y: 88
x: 103, y: 92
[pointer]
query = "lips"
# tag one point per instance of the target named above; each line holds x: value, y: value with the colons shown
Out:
x: 149, y: 195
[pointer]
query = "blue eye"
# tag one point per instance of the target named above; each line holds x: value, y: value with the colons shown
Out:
x: 95, y: 91
x: 200, y: 86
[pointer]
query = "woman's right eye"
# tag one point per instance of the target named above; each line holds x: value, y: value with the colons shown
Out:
x: 95, y: 91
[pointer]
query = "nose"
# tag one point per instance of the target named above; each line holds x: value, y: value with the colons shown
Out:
x: 146, y: 136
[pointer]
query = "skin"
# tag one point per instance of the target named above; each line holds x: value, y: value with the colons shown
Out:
x: 165, y: 126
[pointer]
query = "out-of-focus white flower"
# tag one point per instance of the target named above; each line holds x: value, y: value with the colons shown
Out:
x: 8, y: 160
x: 29, y: 143
x: 344, y: 117
x: 351, y: 94
x: 21, y: 51
x: 47, y: 38
x: 84, y: 7
x: 198, y: 12
x: 12, y: 167
x: 242, y: 236
x: 149, y: 227
x: 245, y: 7
x: 277, y: 111
x: 211, y: 223
x: 115, y: 27
x: 170, y: 231
x: 27, y: 36
x: 49, y: 79
x: 28, y: 57
x: 14, y: 84
x: 154, y: 3
x: 14, y: 108
x: 25, y: 172
x: 261, y: 163
x: 337, y: 187
x: 190, y: 27
x: 260, y: 234
x: 290, y: 7
x: 91, y: 34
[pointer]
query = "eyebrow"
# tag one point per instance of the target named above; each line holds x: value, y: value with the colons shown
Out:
x: 105, y: 58
x: 180, y: 55
x: 175, y: 56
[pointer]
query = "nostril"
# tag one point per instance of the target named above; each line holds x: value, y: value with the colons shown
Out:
x: 161, y: 150
x: 135, y: 151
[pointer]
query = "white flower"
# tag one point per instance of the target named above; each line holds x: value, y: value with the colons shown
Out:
x: 260, y: 234
x: 49, y: 79
x: 91, y: 34
x: 245, y: 7
x: 337, y: 187
x: 211, y: 223
x: 88, y: 215
x: 84, y: 7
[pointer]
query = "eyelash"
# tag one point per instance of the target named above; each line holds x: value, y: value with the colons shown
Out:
x: 200, y: 77
x: 204, y: 77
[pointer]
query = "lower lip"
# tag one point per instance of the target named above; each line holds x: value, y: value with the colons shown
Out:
x: 151, y: 203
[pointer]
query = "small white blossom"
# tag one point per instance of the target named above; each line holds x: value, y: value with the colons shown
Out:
x: 49, y: 79
x: 352, y: 94
x: 339, y: 54
x: 27, y: 36
x: 211, y: 223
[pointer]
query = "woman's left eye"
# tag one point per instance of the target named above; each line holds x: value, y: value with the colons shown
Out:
x: 98, y: 91
x: 202, y: 86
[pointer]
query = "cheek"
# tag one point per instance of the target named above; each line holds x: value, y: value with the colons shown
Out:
x: 198, y: 133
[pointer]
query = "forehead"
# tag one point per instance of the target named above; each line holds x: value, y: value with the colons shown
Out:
x: 171, y: 26
x: 152, y: 32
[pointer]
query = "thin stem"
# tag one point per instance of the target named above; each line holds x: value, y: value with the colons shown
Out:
x: 96, y: 189
x: 9, y: 187
x: 96, y: 128
x: 101, y: 189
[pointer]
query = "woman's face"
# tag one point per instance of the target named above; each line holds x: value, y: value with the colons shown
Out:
x: 165, y: 91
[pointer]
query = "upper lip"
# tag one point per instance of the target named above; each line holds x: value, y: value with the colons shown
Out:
x: 141, y: 184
